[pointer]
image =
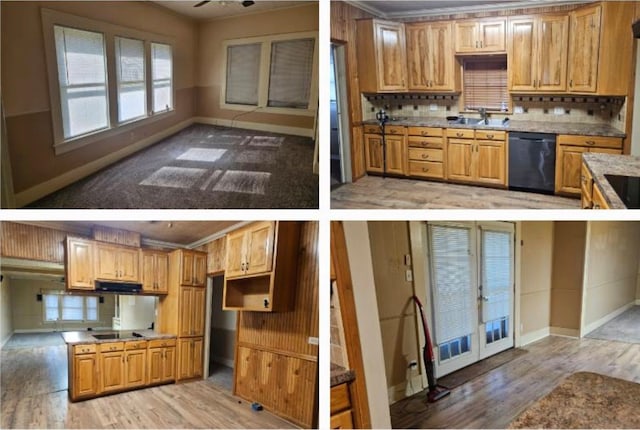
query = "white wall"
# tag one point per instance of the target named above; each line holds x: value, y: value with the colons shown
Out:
x: 6, y: 325
x: 137, y: 312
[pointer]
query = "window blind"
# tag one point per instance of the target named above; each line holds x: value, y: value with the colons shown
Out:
x: 453, y: 292
x: 243, y: 74
x: 162, y: 76
x: 51, y: 310
x: 82, y: 78
x: 92, y: 308
x: 132, y: 93
x: 72, y: 308
x: 496, y: 274
x: 485, y: 83
x: 290, y: 73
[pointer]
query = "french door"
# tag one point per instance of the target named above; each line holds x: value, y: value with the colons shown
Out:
x: 472, y: 291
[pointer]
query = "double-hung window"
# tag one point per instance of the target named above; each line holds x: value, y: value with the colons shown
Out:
x: 132, y: 88
x: 290, y: 74
x: 70, y: 308
x: 161, y: 73
x: 243, y: 74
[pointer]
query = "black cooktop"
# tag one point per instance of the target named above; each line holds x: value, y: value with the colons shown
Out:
x: 627, y: 188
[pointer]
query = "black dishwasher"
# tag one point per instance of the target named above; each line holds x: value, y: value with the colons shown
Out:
x: 532, y: 162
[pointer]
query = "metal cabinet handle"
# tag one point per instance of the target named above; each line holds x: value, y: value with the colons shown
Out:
x: 459, y: 134
x: 590, y: 142
x: 481, y: 43
x: 425, y: 156
x: 425, y: 169
x: 424, y: 133
x: 476, y: 43
x: 489, y: 136
x: 571, y: 83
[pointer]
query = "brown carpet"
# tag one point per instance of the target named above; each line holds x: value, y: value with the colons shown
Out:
x: 585, y: 400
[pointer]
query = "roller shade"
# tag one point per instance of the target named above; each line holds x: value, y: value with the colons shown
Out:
x: 132, y: 93
x: 496, y: 271
x: 243, y: 74
x: 290, y: 73
x: 485, y: 83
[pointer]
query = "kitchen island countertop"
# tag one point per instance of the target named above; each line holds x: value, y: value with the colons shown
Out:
x: 85, y: 337
x: 611, y: 164
x: 340, y: 375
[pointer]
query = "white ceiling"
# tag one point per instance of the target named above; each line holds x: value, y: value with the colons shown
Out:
x: 217, y: 9
x: 412, y: 9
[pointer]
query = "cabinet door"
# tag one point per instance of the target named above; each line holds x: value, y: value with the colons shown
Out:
x: 342, y: 420
x: 216, y: 254
x: 185, y: 358
x: 586, y: 184
x: 568, y: 166
x: 491, y: 162
x: 112, y: 365
x: 128, y: 264
x: 106, y: 262
x: 197, y: 311
x: 185, y: 318
x: 169, y: 364
x: 135, y: 367
x: 260, y: 248
x: 396, y: 151
x: 199, y: 269
x: 492, y: 35
x: 186, y: 276
x: 197, y: 356
x: 440, y: 70
x: 162, y: 272
x: 85, y: 381
x: 553, y: 37
x: 522, y: 64
x: 599, y: 202
x: 391, y: 56
x: 417, y: 57
x: 79, y: 267
x: 155, y: 365
x: 235, y: 253
x: 373, y: 152
x: 584, y: 46
x: 459, y: 159
x: 148, y: 271
x: 466, y: 36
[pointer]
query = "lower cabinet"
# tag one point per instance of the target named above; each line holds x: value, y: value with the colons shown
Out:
x: 341, y: 417
x: 161, y: 361
x: 190, y: 357
x: 480, y: 160
x: 135, y: 368
x: 112, y: 366
x: 599, y: 202
x: 586, y: 187
x: 84, y: 382
x: 396, y: 154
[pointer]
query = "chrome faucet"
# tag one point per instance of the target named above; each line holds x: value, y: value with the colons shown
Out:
x: 483, y: 115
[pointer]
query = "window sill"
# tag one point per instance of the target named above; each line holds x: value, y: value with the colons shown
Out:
x: 87, y: 139
x: 271, y: 110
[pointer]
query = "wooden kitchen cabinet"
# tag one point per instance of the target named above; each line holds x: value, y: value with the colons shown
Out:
x: 491, y: 162
x: 79, y: 264
x: 189, y: 358
x: 340, y: 407
x: 191, y: 312
x: 537, y: 53
x: 84, y: 374
x: 250, y: 250
x: 116, y: 263
x: 112, y: 366
x: 135, y: 370
x: 584, y: 45
x: 426, y: 152
x: 477, y: 156
x: 161, y: 362
x: 155, y: 271
x: 373, y: 153
x: 430, y: 59
x: 276, y: 248
x: 396, y: 151
x: 381, y: 46
x: 216, y: 256
x: 480, y: 36
x: 569, y: 150
x: 599, y: 202
x: 193, y: 267
x: 586, y: 186
x: 460, y: 157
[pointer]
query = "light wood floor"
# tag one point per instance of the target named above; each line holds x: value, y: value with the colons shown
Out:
x: 496, y: 398
x: 33, y: 384
x: 374, y: 192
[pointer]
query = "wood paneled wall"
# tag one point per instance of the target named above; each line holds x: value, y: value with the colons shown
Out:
x: 117, y: 236
x: 32, y: 242
x: 275, y: 363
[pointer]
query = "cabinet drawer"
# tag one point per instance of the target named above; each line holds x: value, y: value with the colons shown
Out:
x: 417, y: 154
x: 395, y: 130
x: 372, y: 129
x: 490, y: 135
x: 589, y: 141
x: 111, y: 346
x: 426, y: 169
x: 84, y: 349
x: 424, y: 131
x: 136, y: 344
x: 159, y: 343
x: 462, y: 133
x: 425, y: 142
x: 343, y: 420
x: 340, y: 399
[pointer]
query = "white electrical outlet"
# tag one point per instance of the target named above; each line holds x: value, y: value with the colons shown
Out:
x: 313, y: 340
x: 408, y: 275
x: 433, y: 107
x: 518, y: 109
x: 558, y: 111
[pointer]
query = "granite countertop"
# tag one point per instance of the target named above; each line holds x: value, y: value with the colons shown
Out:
x: 611, y: 164
x: 340, y: 375
x: 85, y: 337
x: 514, y: 125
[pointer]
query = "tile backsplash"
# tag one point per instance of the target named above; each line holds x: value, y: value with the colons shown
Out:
x: 575, y: 109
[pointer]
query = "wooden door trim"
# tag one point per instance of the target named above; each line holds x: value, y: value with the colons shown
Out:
x: 340, y: 258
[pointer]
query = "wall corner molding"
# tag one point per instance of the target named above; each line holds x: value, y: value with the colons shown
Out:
x: 534, y: 336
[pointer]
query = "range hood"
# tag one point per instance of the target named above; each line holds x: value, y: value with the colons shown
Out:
x: 636, y: 29
x: 118, y: 287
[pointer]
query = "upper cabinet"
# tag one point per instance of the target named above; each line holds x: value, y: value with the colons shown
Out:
x: 601, y: 47
x: 116, y: 263
x: 537, y: 48
x: 79, y: 264
x: 480, y: 36
x: 154, y: 271
x: 216, y: 256
x: 381, y: 52
x: 261, y: 267
x: 430, y: 59
x: 193, y: 268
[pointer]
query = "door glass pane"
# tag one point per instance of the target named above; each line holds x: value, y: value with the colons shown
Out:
x: 496, y: 274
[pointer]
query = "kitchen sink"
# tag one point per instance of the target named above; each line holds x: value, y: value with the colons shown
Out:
x: 478, y: 121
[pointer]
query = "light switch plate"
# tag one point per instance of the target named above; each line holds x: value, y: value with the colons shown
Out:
x: 558, y: 111
x: 433, y: 107
x: 313, y: 341
x: 407, y: 260
x: 408, y: 275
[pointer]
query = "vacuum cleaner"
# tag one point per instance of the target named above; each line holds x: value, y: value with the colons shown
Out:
x: 436, y: 392
x: 382, y: 118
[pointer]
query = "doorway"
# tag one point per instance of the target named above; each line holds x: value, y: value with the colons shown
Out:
x: 222, y: 339
x: 339, y: 122
x: 472, y: 291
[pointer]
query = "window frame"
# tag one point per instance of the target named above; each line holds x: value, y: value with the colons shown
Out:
x: 265, y: 68
x: 60, y: 296
x: 51, y: 18
x: 119, y: 82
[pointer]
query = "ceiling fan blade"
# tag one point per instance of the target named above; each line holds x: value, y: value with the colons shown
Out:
x: 202, y: 3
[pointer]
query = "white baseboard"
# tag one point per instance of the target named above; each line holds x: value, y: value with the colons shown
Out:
x: 5, y: 340
x: 637, y: 302
x: 402, y: 391
x: 565, y: 332
x: 273, y: 128
x: 534, y: 336
x: 222, y: 360
x: 34, y: 193
x: 605, y: 319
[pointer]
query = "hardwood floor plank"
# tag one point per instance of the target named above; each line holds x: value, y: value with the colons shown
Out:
x: 374, y: 192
